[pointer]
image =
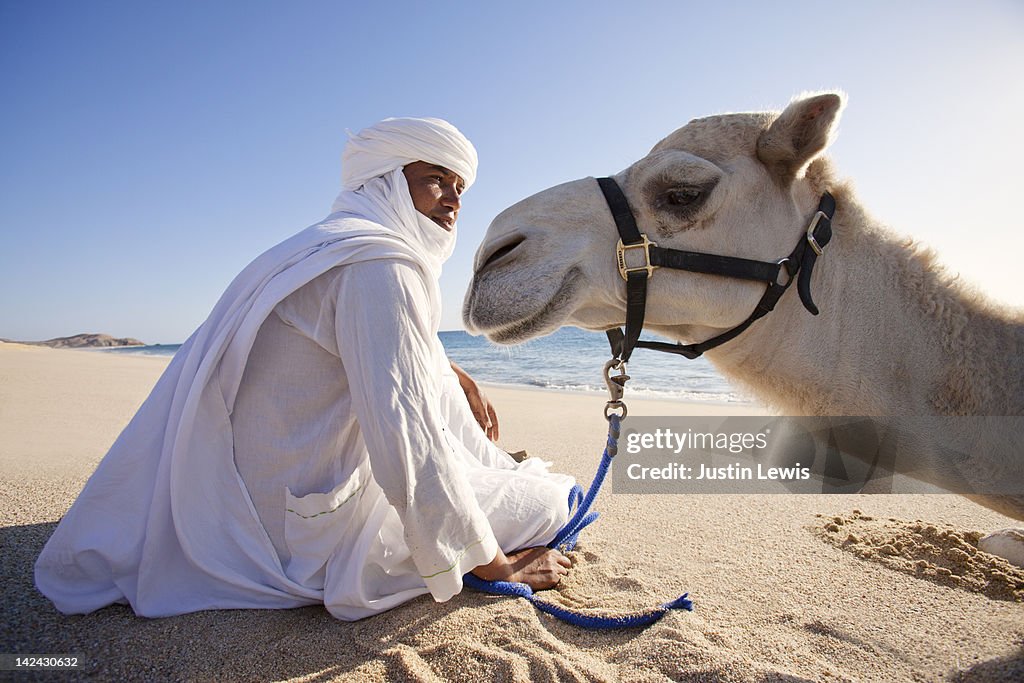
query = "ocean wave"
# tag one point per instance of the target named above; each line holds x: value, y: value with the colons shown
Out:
x: 653, y: 393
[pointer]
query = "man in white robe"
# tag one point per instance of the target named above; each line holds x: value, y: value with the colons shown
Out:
x: 310, y: 442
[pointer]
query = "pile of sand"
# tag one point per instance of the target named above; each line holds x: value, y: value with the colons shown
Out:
x: 935, y: 552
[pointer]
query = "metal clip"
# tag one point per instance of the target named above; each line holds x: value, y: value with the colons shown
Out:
x: 620, y: 257
x: 785, y: 266
x: 616, y: 386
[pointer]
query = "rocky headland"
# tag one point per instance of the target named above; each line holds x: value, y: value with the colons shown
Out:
x: 82, y: 341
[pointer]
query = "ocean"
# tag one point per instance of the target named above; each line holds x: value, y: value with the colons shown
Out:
x: 570, y: 360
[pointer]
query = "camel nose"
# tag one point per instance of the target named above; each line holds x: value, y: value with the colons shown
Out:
x: 500, y: 251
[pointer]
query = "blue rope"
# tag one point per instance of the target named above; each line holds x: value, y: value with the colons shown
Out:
x: 634, y: 620
x: 575, y: 496
x: 565, y: 540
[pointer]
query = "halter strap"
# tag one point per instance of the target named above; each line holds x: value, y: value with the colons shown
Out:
x: 778, y: 275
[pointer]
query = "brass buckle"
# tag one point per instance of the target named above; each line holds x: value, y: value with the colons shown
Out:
x: 810, y: 232
x: 620, y: 256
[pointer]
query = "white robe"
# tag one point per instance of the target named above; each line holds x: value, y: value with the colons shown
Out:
x: 378, y: 431
x: 403, y: 495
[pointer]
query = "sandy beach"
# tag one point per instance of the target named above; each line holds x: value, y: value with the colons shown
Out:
x: 786, y: 587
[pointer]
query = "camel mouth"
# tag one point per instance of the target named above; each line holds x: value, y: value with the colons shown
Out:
x: 500, y: 250
x: 544, y: 321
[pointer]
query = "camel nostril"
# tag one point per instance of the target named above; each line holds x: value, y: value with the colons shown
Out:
x: 502, y: 251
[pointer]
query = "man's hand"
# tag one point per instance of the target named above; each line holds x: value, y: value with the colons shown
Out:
x: 483, y: 410
x: 539, y: 567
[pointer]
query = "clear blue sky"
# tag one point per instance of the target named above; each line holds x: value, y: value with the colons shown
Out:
x: 151, y: 149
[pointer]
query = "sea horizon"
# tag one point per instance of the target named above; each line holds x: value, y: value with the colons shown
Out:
x: 569, y: 360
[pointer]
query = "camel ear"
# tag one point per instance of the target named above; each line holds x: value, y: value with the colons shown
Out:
x: 801, y: 132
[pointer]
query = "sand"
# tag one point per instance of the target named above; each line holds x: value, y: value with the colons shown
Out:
x: 786, y: 587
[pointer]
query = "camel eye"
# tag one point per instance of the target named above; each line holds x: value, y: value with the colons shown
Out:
x: 682, y: 196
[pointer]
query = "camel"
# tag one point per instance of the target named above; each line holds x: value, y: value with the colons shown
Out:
x: 896, y: 335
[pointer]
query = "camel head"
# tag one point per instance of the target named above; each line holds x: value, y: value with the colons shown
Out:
x: 736, y: 184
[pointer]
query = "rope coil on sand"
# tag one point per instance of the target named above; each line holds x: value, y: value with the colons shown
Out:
x: 565, y: 541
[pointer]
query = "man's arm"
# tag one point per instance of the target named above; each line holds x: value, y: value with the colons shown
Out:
x: 383, y: 334
x: 382, y: 322
x: 483, y: 409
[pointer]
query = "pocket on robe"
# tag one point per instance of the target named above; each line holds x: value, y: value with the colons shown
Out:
x: 316, y: 524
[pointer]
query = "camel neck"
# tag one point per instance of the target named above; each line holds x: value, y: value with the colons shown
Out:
x: 896, y: 335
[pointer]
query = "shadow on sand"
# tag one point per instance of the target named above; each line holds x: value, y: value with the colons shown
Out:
x: 471, y: 637
x: 401, y: 644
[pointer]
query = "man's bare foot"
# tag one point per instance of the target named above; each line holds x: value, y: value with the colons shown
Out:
x: 539, y: 567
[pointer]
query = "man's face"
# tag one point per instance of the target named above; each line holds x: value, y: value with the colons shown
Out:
x: 435, y: 192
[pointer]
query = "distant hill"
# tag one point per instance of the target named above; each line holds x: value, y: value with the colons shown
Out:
x: 80, y: 341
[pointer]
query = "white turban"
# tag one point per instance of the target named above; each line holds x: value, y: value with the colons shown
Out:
x: 374, y: 186
x: 393, y: 143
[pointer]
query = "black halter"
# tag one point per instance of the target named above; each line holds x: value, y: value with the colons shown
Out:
x: 779, y: 274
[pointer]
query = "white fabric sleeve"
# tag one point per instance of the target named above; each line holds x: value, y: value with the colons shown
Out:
x: 385, y: 344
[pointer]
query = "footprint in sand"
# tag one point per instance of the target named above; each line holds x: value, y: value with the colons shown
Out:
x: 935, y: 552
